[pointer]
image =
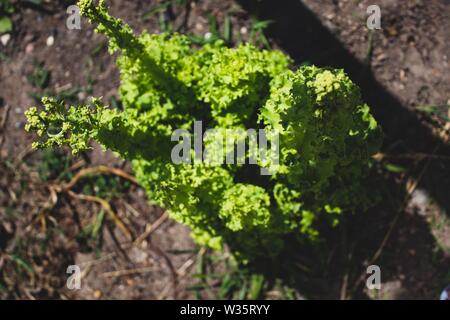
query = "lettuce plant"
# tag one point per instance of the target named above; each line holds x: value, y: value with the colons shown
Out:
x: 326, y: 135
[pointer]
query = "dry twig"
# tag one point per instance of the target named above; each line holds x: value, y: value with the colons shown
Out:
x: 411, y: 186
x: 127, y: 272
x: 152, y: 228
x: 107, y: 207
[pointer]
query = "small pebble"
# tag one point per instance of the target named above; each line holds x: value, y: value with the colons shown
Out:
x: 198, y: 26
x: 445, y: 295
x: 50, y: 41
x: 4, y: 39
x: 208, y: 35
x: 29, y: 38
x: 29, y: 48
x: 419, y: 201
x: 97, y: 294
x: 403, y: 75
x: 81, y: 95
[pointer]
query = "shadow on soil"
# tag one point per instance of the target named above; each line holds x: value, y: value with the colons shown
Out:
x: 411, y: 257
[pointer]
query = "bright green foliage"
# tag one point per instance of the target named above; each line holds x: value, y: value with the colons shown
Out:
x: 327, y: 135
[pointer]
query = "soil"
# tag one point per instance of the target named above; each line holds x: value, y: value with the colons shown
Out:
x: 401, y: 68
